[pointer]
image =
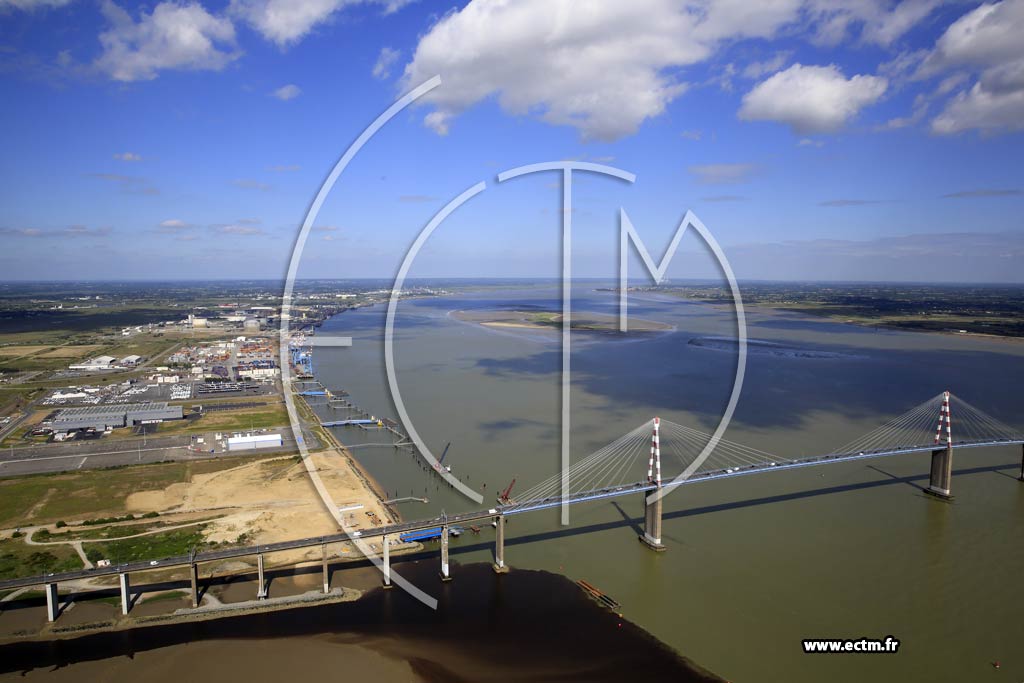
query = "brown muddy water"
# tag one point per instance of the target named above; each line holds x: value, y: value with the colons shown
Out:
x: 522, y: 626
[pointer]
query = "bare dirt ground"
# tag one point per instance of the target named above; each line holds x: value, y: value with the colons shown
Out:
x: 269, y: 500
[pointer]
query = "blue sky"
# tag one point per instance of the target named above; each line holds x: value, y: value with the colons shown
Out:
x: 850, y: 140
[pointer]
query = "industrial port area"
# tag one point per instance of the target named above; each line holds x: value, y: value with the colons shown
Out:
x: 181, y: 445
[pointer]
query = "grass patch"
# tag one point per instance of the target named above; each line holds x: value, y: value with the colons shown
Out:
x: 21, y: 350
x: 20, y: 559
x: 107, y: 532
x: 153, y: 546
x: 71, y: 351
x: 229, y: 420
x: 141, y: 345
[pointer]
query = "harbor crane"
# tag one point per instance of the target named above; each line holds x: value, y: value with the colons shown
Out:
x: 504, y: 496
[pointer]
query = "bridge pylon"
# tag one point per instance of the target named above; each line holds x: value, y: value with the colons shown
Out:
x: 445, y: 569
x: 941, y: 480
x: 261, y: 588
x: 499, y: 565
x: 652, y: 509
x: 385, y: 548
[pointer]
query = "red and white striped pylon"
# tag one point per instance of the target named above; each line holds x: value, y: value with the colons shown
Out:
x: 944, y: 418
x: 654, y: 464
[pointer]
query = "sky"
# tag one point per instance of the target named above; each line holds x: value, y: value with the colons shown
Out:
x: 853, y: 140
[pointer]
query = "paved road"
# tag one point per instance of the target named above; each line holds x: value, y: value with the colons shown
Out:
x: 99, y: 453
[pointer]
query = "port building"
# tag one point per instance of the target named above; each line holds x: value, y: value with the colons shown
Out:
x: 98, y: 363
x: 104, y: 418
x: 251, y: 442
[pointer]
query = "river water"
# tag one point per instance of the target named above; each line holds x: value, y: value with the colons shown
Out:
x: 753, y: 564
x: 480, y: 631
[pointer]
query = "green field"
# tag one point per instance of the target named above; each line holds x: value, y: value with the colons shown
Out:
x: 20, y: 559
x: 104, y: 532
x: 166, y: 544
x: 145, y: 344
x: 273, y: 415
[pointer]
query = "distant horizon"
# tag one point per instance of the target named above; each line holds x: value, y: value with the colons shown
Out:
x: 472, y: 279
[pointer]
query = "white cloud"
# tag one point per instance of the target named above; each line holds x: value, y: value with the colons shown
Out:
x: 811, y: 99
x: 988, y: 39
x: 287, y: 92
x: 173, y: 36
x: 884, y: 27
x: 128, y: 156
x: 69, y: 231
x: 983, y: 109
x: 985, y: 36
x: 723, y: 174
x: 243, y: 227
x: 881, y: 22
x: 609, y: 68
x: 385, y: 60
x: 239, y: 230
x: 22, y: 232
x: 174, y: 225
x: 755, y: 70
x: 808, y: 142
x: 286, y: 22
x: 604, y: 71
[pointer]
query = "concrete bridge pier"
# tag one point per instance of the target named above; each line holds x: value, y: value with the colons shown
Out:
x: 194, y: 576
x: 327, y: 576
x: 386, y: 558
x: 445, y: 573
x: 652, y: 523
x: 942, y: 473
x: 1021, y: 477
x: 261, y: 590
x: 126, y: 594
x: 52, y: 602
x: 499, y: 545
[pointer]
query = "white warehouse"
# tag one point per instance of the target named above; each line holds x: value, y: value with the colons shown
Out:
x: 251, y: 442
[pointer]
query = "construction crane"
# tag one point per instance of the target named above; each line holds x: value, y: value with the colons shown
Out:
x: 441, y: 459
x: 504, y: 496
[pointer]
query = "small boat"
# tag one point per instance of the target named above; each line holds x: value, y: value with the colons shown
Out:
x: 474, y: 528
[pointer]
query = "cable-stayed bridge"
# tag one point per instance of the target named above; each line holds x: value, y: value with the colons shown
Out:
x: 631, y: 464
x: 918, y: 430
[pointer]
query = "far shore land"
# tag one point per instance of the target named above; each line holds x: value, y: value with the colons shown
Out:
x: 581, y: 321
x: 989, y: 312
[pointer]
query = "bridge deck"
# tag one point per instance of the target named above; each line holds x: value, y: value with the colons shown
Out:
x: 467, y: 517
